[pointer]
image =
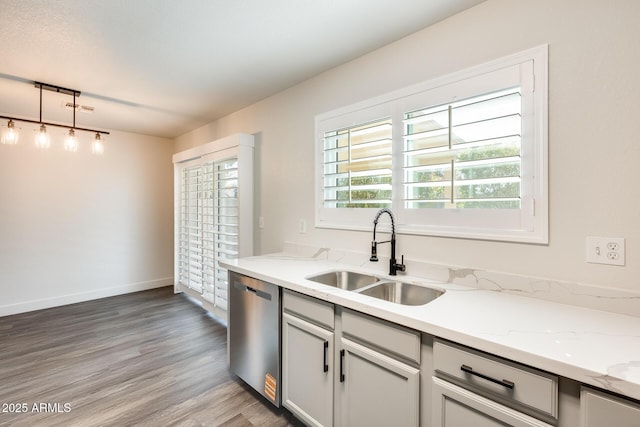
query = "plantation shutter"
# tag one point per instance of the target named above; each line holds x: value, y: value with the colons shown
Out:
x: 465, y: 154
x: 190, y: 244
x: 357, y: 166
x: 226, y: 224
x: 214, y: 217
x: 208, y: 237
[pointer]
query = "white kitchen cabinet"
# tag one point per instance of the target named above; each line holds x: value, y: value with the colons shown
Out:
x: 307, y: 359
x: 454, y: 406
x: 344, y: 368
x: 379, y: 376
x: 602, y: 409
x: 375, y: 389
x: 471, y: 388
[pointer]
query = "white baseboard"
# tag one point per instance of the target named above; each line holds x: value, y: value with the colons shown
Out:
x: 23, y: 307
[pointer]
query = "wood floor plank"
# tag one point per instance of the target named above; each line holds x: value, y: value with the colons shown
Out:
x: 149, y: 358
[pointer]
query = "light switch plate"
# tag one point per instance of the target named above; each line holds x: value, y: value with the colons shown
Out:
x: 605, y: 250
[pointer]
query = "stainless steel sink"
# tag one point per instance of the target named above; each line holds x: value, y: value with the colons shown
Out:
x: 366, y: 284
x: 343, y: 279
x: 402, y: 293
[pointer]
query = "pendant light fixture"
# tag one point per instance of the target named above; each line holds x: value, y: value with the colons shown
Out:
x: 71, y: 143
x: 42, y: 139
x: 97, y: 147
x: 10, y: 135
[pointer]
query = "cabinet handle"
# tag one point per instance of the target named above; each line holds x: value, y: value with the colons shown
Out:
x: 326, y: 354
x: 341, y: 366
x: 505, y: 383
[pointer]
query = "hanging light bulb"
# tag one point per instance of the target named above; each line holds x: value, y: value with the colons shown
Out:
x: 42, y: 139
x: 71, y: 143
x: 98, y: 145
x: 10, y: 136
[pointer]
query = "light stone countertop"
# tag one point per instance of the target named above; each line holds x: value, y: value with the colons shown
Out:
x: 594, y: 347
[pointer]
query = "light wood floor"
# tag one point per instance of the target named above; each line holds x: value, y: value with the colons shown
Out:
x: 149, y: 358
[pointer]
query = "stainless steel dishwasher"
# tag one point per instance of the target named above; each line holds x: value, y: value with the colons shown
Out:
x: 253, y: 334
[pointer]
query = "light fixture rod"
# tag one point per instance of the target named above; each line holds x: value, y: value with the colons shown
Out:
x: 58, y: 89
x: 40, y: 103
x: 53, y: 124
x: 74, y: 110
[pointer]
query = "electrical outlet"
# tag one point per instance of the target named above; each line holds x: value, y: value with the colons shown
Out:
x: 613, y: 256
x: 303, y: 226
x: 605, y: 250
x: 261, y: 222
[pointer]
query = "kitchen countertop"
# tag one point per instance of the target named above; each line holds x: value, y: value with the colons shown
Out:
x: 594, y: 347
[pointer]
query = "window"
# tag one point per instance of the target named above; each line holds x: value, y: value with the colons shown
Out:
x: 214, y: 212
x: 462, y: 156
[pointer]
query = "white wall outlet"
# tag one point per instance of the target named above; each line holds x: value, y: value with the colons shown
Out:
x: 303, y: 226
x: 605, y: 250
x: 261, y: 222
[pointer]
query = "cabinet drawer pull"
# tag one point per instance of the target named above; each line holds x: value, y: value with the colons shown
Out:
x: 325, y: 357
x: 341, y: 366
x: 505, y: 383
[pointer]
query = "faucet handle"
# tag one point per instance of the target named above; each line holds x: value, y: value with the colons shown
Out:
x: 401, y: 266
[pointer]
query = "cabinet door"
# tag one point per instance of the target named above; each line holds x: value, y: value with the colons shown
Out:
x: 454, y: 406
x: 307, y: 371
x: 600, y: 409
x: 376, y: 390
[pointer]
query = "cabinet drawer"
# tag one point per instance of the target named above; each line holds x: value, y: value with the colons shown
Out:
x: 312, y: 309
x: 510, y: 381
x: 392, y: 338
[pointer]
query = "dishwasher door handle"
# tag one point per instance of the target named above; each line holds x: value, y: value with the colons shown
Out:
x: 257, y: 292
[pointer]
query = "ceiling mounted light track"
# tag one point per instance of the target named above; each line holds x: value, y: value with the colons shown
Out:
x: 10, y: 136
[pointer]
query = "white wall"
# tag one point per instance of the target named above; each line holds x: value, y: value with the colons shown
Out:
x: 74, y: 226
x: 594, y: 144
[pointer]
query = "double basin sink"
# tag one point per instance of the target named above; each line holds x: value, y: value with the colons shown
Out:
x: 384, y: 289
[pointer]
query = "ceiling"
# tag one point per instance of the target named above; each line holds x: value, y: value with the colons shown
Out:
x: 165, y: 67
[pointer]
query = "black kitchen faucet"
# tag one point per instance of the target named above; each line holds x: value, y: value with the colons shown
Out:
x: 393, y: 266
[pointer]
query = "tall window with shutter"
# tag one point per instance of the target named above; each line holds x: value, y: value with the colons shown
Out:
x: 214, y: 216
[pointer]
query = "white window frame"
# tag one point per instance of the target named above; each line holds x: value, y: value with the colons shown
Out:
x: 527, y: 69
x: 240, y: 147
